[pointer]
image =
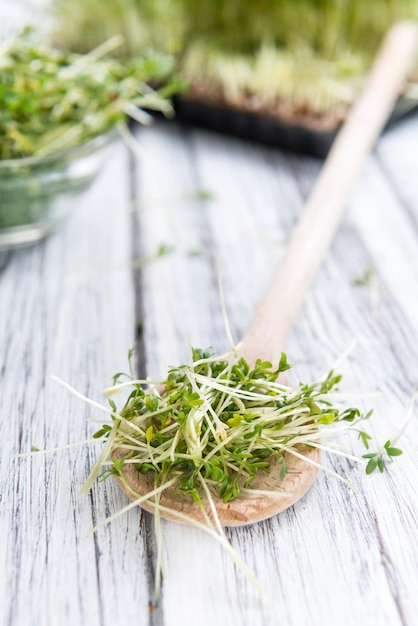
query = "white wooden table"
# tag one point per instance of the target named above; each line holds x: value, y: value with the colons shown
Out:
x: 73, y: 306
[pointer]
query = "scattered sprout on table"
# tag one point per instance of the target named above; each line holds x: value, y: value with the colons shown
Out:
x: 370, y: 282
x: 367, y: 279
x: 163, y: 250
x: 202, y: 193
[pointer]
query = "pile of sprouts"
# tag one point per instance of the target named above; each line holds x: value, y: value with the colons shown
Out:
x: 208, y: 430
x: 219, y: 421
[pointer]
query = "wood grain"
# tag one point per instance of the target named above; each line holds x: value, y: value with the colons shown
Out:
x: 337, y: 534
x: 66, y: 307
x: 69, y: 307
x: 315, y: 230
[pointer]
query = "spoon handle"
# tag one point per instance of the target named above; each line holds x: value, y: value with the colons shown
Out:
x: 278, y: 310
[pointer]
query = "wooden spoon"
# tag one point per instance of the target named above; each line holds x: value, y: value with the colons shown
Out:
x: 277, y: 312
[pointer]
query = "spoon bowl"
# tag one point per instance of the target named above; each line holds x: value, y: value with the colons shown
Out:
x: 247, y: 507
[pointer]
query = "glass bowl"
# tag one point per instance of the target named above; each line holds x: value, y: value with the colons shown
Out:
x: 37, y: 193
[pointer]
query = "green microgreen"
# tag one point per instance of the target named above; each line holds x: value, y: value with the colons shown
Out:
x: 221, y: 421
x: 211, y: 427
x: 201, y: 193
x: 194, y: 252
x: 163, y: 250
x: 377, y: 459
x: 52, y: 100
x: 367, y: 279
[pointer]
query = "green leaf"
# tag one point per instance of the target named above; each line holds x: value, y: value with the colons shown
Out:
x: 151, y: 402
x: 283, y: 470
x: 149, y: 434
x: 372, y: 465
x: 365, y: 437
x: 113, y: 405
x: 224, y: 485
x: 188, y: 483
x: 394, y: 451
x: 103, y: 431
x: 368, y: 415
x: 262, y: 453
x: 116, y: 378
x: 283, y: 364
x: 326, y: 418
x: 217, y: 474
x: 203, y: 194
x: 235, y: 420
x: 164, y: 249
x: 144, y: 468
x: 193, y: 399
x: 365, y: 280
x: 118, y: 466
x: 350, y: 415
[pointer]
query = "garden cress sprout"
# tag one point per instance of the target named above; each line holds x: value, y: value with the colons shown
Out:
x: 53, y: 100
x: 220, y: 422
x: 208, y: 431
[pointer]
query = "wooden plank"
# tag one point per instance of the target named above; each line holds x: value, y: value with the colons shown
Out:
x: 67, y: 308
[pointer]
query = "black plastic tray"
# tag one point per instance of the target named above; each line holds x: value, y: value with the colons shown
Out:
x: 266, y: 130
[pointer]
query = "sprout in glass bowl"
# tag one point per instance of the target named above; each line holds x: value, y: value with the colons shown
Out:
x: 58, y: 112
x: 37, y: 193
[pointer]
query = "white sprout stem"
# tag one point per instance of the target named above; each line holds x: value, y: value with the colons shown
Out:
x: 342, y: 395
x: 97, y: 467
x: 101, y: 50
x: 107, y: 410
x: 135, y: 503
x: 228, y: 357
x: 352, y: 345
x: 224, y: 398
x: 223, y: 309
x: 61, y: 141
x: 318, y: 465
x: 174, y: 445
x: 211, y: 504
x: 124, y: 436
x: 223, y: 541
x: 338, y: 452
x: 159, y: 542
x: 80, y: 395
x: 136, y: 149
x: 137, y: 114
x: 246, y: 395
x: 398, y: 432
x: 220, y: 426
x: 131, y: 383
x: 131, y: 141
x: 266, y: 492
x: 50, y: 450
x: 129, y: 423
x: 154, y: 102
